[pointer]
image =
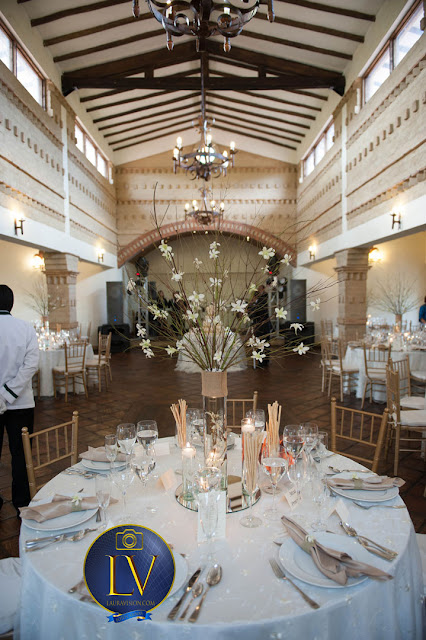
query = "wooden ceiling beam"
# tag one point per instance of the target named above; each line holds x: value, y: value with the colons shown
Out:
x: 91, y: 30
x: 146, y: 108
x: 296, y: 45
x: 255, y: 117
x: 245, y: 103
x: 164, y: 126
x: 162, y: 130
x: 254, y: 137
x: 160, y: 115
x: 66, y: 13
x: 345, y: 35
x: 255, y: 129
x: 339, y: 11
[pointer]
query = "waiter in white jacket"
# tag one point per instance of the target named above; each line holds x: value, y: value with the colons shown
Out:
x: 18, y: 363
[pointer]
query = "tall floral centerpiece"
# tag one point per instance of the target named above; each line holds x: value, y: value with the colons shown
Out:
x: 195, y: 324
x: 395, y: 294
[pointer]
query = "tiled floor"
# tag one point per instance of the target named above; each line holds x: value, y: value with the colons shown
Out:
x: 145, y: 389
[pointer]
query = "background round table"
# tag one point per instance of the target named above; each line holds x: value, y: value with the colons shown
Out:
x: 249, y: 602
x: 50, y: 358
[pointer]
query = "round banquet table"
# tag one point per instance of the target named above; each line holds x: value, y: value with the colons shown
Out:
x: 354, y: 358
x: 249, y: 602
x: 50, y: 358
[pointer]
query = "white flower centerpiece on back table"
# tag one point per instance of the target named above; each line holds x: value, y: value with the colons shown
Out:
x: 196, y: 327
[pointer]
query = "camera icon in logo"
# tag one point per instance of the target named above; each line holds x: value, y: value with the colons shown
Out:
x: 128, y: 539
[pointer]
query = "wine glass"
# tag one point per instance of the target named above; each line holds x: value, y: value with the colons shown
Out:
x: 258, y: 418
x: 147, y: 433
x: 111, y: 449
x: 103, y: 494
x: 143, y: 465
x: 126, y: 438
x: 320, y: 495
x: 275, y: 463
x: 206, y: 487
x: 322, y: 445
x: 294, y: 436
x: 123, y: 478
x: 250, y: 474
x: 311, y: 439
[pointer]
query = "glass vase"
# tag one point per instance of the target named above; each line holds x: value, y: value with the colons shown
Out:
x: 215, y: 391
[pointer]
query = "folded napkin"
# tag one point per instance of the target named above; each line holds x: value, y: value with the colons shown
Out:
x: 336, y: 565
x: 60, y: 506
x: 97, y: 454
x: 372, y: 483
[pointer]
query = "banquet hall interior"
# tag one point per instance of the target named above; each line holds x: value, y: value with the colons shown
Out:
x: 291, y: 150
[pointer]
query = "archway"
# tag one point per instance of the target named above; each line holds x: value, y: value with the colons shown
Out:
x: 147, y: 241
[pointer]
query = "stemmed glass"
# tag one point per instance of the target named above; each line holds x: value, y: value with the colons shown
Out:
x: 206, y: 486
x: 258, y: 418
x: 126, y: 438
x: 123, y: 478
x: 103, y: 494
x: 320, y: 495
x: 111, y: 449
x: 294, y: 436
x: 311, y: 439
x: 147, y: 434
x: 275, y: 463
x: 143, y: 465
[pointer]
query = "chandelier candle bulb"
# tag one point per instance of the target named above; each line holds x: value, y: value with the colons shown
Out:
x: 188, y: 459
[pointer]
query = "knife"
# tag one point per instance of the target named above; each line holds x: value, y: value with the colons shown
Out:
x: 63, y: 536
x: 192, y: 580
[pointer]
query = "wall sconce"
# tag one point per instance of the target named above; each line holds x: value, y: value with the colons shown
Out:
x: 374, y: 255
x: 396, y: 219
x: 37, y: 261
x: 312, y: 252
x: 19, y: 226
x: 101, y: 255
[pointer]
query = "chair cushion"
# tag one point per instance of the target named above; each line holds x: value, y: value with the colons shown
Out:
x: 71, y: 370
x: 413, y: 418
x: 419, y: 375
x: 377, y: 375
x: 421, y: 542
x: 10, y: 591
x: 413, y: 402
x: 93, y: 363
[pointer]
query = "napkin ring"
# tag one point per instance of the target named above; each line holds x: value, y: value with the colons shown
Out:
x: 76, y: 503
x: 308, y: 543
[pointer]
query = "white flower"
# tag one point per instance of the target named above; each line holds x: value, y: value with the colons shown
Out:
x: 274, y: 282
x: 281, y: 313
x: 238, y: 306
x: 226, y: 273
x: 252, y: 288
x: 257, y: 343
x: 164, y: 314
x: 171, y: 350
x: 296, y: 326
x: 166, y: 251
x: 216, y: 320
x: 148, y: 352
x: 131, y: 285
x: 191, y: 315
x: 156, y: 312
x: 214, y: 252
x: 196, y: 298
x: 217, y: 356
x: 265, y: 269
x: 257, y: 355
x: 145, y: 344
x: 315, y: 305
x: 267, y: 253
x: 179, y: 345
x: 215, y: 282
x: 301, y: 349
x: 286, y: 259
x: 177, y: 297
x: 177, y: 275
x: 141, y: 330
x: 198, y: 263
x: 246, y: 318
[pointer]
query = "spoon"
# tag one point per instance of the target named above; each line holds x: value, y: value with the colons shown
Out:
x: 334, y: 470
x: 196, y: 591
x: 213, y: 577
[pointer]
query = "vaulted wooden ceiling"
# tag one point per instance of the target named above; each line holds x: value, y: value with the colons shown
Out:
x: 269, y: 88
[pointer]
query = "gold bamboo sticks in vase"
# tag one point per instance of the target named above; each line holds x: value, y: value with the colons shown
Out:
x: 273, y: 425
x: 179, y: 414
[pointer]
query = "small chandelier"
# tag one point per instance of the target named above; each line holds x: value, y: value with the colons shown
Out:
x: 204, y: 214
x: 205, y: 161
x: 203, y: 18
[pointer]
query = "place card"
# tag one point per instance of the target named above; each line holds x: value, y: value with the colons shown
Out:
x: 291, y: 496
x: 340, y: 509
x: 238, y: 443
x: 221, y: 520
x: 162, y: 448
x: 168, y: 480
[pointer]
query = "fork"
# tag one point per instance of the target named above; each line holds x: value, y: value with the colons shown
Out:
x: 382, y: 506
x: 369, y: 545
x: 282, y: 576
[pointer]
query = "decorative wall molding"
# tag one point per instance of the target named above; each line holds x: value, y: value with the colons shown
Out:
x: 164, y: 170
x: 30, y: 202
x: 81, y: 230
x: 149, y: 240
x: 85, y: 213
x: 257, y: 201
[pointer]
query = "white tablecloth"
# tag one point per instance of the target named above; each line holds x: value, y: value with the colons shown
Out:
x: 55, y: 358
x: 354, y: 358
x: 249, y: 602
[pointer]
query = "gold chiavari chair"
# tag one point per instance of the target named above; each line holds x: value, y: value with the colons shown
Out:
x: 74, y: 369
x: 237, y: 408
x: 375, y: 363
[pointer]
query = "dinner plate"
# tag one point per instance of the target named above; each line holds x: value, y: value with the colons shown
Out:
x: 301, y: 566
x: 181, y: 572
x: 382, y: 495
x: 101, y: 467
x: 68, y: 521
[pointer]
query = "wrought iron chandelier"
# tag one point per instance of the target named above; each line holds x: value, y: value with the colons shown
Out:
x: 203, y: 18
x: 204, y: 213
x: 204, y: 161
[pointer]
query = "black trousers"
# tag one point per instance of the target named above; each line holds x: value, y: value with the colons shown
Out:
x: 14, y: 420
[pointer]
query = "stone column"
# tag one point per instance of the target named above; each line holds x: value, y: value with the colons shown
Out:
x: 352, y: 268
x: 61, y: 276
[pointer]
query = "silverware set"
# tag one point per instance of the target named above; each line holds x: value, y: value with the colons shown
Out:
x: 42, y: 543
x: 197, y: 589
x: 71, y: 471
x: 369, y: 545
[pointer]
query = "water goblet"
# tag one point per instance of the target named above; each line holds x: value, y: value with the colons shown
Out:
x: 123, y: 478
x: 294, y: 436
x: 111, y: 449
x: 143, y: 465
x: 103, y: 494
x: 147, y: 433
x: 322, y: 445
x: 320, y: 495
x: 275, y: 463
x: 126, y: 438
x: 207, y: 483
x: 311, y: 438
